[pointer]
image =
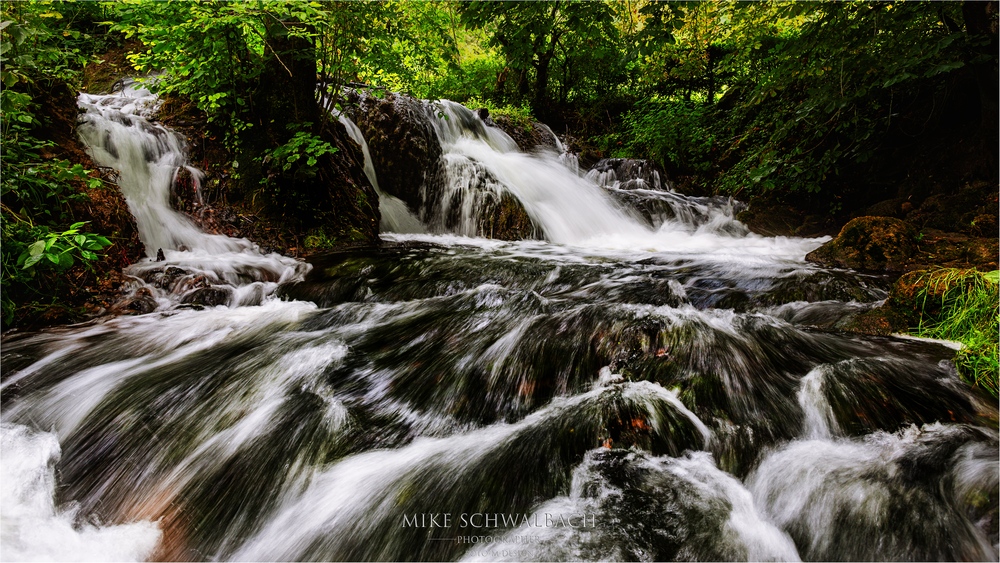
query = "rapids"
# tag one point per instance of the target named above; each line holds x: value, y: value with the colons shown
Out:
x: 649, y: 381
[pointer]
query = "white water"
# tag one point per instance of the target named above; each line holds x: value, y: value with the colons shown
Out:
x: 744, y: 535
x: 396, y: 218
x: 362, y: 494
x: 224, y: 385
x: 147, y: 157
x: 33, y: 528
x: 819, y: 420
x: 481, y: 162
x: 844, y: 497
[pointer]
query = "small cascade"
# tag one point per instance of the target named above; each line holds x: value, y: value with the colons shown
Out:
x: 627, y: 506
x: 854, y: 500
x: 819, y: 420
x: 34, y: 528
x: 194, y: 267
x: 396, y: 218
x: 482, y: 175
x: 627, y: 174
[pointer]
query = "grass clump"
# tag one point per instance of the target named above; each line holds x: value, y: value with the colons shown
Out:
x: 964, y: 306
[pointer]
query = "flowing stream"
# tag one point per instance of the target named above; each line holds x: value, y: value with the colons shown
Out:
x: 647, y: 381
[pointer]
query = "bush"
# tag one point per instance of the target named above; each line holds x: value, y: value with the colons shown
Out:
x: 673, y: 133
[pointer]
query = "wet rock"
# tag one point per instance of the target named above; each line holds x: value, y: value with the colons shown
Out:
x: 209, y: 296
x: 914, y: 396
x: 870, y: 243
x: 139, y: 303
x: 506, y: 220
x: 475, y: 203
x: 529, y: 136
x: 887, y: 208
x: 631, y: 173
x: 404, y: 147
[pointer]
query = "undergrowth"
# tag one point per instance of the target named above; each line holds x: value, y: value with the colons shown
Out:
x: 962, y: 305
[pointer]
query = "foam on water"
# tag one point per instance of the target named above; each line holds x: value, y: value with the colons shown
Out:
x: 33, y: 528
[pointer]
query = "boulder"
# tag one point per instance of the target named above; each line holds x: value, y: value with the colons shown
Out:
x: 878, y: 244
x: 405, y: 149
x: 506, y: 220
x: 528, y: 136
x: 209, y: 296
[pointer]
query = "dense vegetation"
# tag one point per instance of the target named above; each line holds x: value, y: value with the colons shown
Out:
x: 814, y: 104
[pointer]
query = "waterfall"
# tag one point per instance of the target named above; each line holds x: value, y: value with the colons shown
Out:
x: 481, y: 163
x: 649, y: 382
x: 147, y: 157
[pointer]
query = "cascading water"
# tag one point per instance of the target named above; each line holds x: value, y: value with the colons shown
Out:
x: 396, y: 218
x: 148, y: 157
x: 635, y: 387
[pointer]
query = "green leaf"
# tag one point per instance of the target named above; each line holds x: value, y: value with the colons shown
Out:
x: 32, y: 260
x: 37, y: 248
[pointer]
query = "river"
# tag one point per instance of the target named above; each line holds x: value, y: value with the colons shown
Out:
x: 647, y: 380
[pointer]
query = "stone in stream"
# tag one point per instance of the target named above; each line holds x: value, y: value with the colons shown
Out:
x: 209, y: 296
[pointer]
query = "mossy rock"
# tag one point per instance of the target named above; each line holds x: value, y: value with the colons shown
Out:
x: 506, y: 220
x: 879, y: 244
x: 528, y: 136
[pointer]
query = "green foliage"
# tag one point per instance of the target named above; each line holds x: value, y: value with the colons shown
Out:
x: 824, y: 100
x: 551, y: 50
x: 520, y: 115
x: 964, y: 306
x: 43, y: 41
x: 60, y: 250
x: 674, y: 133
x: 299, y: 155
x: 41, y: 44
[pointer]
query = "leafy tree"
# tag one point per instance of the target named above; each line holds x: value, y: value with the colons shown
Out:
x: 534, y: 37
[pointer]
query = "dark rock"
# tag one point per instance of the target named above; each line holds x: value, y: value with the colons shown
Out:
x: 139, y: 303
x: 886, y: 208
x: 961, y: 211
x: 632, y: 173
x: 404, y: 147
x: 870, y: 243
x: 506, y: 220
x: 209, y: 296
x: 406, y: 154
x: 528, y: 136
